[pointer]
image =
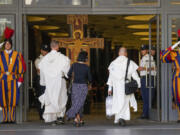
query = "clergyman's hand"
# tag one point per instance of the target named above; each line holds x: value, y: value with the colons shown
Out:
x: 110, y: 93
x: 38, y: 71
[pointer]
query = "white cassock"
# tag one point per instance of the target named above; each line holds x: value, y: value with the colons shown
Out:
x: 52, y: 68
x: 116, y: 81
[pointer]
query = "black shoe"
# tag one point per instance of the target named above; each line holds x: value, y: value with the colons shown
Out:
x: 51, y: 123
x: 82, y: 122
x: 68, y: 119
x: 41, y: 118
x: 178, y: 121
x: 5, y: 122
x: 76, y: 124
x: 122, y: 122
x: 144, y: 117
x: 60, y: 121
x: 12, y: 122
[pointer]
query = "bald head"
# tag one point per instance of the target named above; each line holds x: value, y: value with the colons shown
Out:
x: 122, y: 51
x: 54, y: 45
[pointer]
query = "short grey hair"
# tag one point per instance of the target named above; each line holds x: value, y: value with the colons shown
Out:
x: 122, y: 50
x: 54, y: 43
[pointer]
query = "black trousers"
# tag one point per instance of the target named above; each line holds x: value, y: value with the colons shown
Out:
x: 39, y: 90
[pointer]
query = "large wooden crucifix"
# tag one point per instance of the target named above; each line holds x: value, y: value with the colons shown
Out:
x: 78, y: 43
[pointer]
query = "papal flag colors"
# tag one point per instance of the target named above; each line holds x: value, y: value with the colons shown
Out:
x: 170, y: 56
x: 12, y: 68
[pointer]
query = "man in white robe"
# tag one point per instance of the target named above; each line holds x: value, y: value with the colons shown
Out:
x: 53, y: 67
x: 116, y: 81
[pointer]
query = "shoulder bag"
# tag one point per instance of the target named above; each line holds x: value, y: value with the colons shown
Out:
x: 131, y: 86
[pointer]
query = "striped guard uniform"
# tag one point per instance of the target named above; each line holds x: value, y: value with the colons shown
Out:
x: 12, y: 68
x: 170, y: 56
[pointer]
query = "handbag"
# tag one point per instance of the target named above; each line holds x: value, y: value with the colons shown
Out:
x: 130, y: 85
x: 109, y: 102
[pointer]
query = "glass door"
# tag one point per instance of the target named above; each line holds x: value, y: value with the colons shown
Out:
x: 152, y: 78
x: 174, y: 26
x: 6, y: 21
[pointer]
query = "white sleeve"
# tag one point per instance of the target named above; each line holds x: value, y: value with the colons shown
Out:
x: 37, y: 63
x: 135, y: 76
x: 109, y: 82
x: 66, y: 67
x: 42, y: 76
x: 133, y: 67
x: 142, y: 62
x: 1, y: 44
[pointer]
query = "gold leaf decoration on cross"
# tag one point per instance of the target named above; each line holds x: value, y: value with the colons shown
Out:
x: 78, y: 43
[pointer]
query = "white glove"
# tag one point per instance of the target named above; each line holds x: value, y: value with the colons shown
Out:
x: 1, y: 44
x: 19, y: 84
x: 110, y: 88
x: 110, y: 91
x: 175, y: 45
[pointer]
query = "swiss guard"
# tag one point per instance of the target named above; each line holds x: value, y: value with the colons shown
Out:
x: 172, y: 55
x: 12, y: 68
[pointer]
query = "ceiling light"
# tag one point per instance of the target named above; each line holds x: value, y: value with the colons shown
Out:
x: 143, y: 33
x: 175, y: 3
x: 35, y: 18
x: 144, y: 26
x: 175, y: 39
x: 139, y: 26
x: 28, y: 2
x: 46, y: 27
x: 146, y: 38
x: 173, y: 26
x: 36, y: 26
x: 147, y: 33
x: 143, y: 4
x: 55, y: 34
x: 139, y: 17
x: 76, y: 2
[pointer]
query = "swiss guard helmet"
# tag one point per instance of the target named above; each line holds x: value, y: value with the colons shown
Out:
x: 8, y: 33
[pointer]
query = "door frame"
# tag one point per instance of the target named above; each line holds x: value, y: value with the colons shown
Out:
x: 154, y: 114
x: 157, y: 16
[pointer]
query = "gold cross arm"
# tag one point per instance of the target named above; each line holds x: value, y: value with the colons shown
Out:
x: 64, y: 42
x: 94, y: 42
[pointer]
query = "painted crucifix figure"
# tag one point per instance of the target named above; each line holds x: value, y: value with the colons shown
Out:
x: 78, y: 43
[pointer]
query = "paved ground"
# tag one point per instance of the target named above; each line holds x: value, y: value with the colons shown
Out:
x: 96, y: 124
x: 94, y: 132
x: 136, y: 127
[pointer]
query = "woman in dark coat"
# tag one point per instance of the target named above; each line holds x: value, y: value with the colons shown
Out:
x: 81, y: 75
